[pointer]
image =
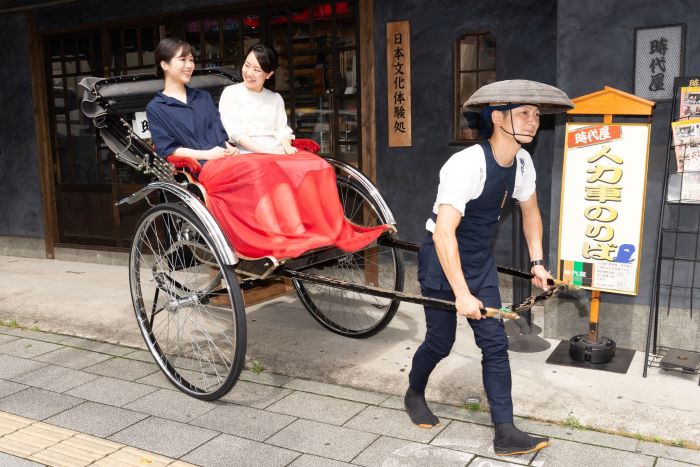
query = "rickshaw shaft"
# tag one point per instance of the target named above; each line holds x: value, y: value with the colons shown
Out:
x: 371, y: 290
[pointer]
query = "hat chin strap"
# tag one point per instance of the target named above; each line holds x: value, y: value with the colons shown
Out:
x: 512, y: 125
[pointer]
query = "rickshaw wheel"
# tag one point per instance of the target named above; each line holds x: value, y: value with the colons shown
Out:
x: 188, y: 304
x: 347, y: 313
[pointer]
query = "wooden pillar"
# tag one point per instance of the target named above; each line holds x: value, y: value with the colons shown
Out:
x: 368, y: 90
x: 43, y: 136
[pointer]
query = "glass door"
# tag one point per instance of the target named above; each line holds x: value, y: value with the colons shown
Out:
x: 88, y: 180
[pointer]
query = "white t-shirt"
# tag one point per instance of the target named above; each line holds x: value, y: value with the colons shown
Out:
x: 463, y: 176
x: 259, y: 115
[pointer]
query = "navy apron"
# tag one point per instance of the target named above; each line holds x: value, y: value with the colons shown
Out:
x: 475, y: 233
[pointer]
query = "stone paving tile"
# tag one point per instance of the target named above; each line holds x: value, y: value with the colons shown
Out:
x: 37, y: 404
x: 582, y: 436
x: 37, y: 335
x: 444, y: 411
x: 226, y: 450
x: 271, y: 379
x: 393, y: 423
x: 55, y: 378
x: 65, y: 455
x: 484, y: 462
x: 70, y: 357
x: 14, y: 366
x: 27, y: 348
x: 128, y: 456
x: 140, y: 355
x: 122, y: 368
x: 97, y: 445
x: 25, y: 444
x: 42, y: 336
x: 111, y: 391
x: 181, y: 464
x: 34, y: 438
x: 669, y: 452
x: 10, y: 423
x: 307, y: 460
x: 562, y: 452
x: 46, y: 336
x: 475, y: 439
x: 96, y: 419
x: 157, y: 379
x: 5, y: 338
x: 172, y: 405
x: 340, y: 392
x: 8, y: 387
x: 661, y: 462
x: 319, y: 408
x: 7, y: 460
x: 165, y: 437
x: 324, y: 440
x: 246, y: 422
x: 255, y: 395
x: 97, y: 346
x: 393, y: 451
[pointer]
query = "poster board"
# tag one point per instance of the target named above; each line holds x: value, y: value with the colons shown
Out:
x: 602, y: 205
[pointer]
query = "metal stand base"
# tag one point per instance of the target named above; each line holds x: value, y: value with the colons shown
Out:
x: 583, y: 350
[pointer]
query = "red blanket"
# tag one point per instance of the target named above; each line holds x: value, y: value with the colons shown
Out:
x: 280, y: 205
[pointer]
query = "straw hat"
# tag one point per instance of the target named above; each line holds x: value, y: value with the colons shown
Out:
x: 519, y: 91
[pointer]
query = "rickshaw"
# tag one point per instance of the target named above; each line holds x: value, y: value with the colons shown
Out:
x: 186, y: 279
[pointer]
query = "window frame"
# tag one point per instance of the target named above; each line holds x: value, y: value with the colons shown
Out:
x: 457, y: 72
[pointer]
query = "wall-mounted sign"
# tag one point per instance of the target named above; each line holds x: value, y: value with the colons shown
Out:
x: 602, y: 205
x: 658, y: 59
x: 398, y: 69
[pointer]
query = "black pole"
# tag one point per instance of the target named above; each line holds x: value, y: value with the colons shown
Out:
x: 519, y: 258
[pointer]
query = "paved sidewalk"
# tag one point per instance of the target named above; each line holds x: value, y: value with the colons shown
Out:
x: 92, y: 301
x: 66, y: 400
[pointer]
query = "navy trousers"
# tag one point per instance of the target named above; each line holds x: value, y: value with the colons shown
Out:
x: 491, y: 338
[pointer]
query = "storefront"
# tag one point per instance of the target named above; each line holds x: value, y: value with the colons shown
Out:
x: 317, y: 77
x: 60, y: 183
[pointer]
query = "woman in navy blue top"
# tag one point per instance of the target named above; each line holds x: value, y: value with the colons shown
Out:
x: 184, y: 121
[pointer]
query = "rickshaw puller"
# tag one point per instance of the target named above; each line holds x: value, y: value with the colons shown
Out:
x: 455, y: 261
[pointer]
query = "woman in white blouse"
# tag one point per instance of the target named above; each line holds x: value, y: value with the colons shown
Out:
x: 253, y: 116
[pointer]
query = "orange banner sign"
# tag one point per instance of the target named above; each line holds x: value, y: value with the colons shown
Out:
x: 591, y: 135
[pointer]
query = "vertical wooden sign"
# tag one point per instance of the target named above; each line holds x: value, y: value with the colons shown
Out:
x: 398, y: 68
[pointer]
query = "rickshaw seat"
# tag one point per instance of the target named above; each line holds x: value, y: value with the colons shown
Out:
x: 193, y: 166
x: 182, y: 162
x: 268, y: 204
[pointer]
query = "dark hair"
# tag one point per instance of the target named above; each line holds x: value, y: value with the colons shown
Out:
x: 266, y: 55
x: 166, y: 50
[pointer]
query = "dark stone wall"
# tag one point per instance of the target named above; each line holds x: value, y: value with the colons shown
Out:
x: 595, y: 48
x: 525, y: 33
x: 20, y: 190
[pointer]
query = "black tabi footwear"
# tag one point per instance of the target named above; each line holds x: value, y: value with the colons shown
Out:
x: 510, y: 441
x: 418, y: 410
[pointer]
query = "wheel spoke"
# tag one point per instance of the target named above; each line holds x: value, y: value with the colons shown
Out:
x: 174, y: 272
x: 347, y: 312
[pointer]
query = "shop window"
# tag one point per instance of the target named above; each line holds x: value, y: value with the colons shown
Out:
x: 475, y: 66
x: 318, y: 69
